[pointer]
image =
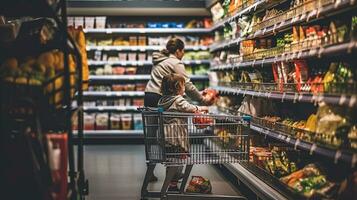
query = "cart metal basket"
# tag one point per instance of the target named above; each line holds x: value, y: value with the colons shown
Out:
x: 184, y: 139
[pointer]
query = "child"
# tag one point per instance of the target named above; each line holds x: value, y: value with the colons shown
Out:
x: 176, y: 128
x: 173, y: 88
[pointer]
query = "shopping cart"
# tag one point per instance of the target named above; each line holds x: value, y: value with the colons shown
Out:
x: 184, y: 139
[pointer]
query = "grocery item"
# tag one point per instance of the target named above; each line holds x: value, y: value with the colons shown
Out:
x: 126, y: 121
x: 115, y: 123
x: 198, y: 184
x: 102, y: 121
x: 202, y: 121
x: 138, y: 122
x: 89, y: 121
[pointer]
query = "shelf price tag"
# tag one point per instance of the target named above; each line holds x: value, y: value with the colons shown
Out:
x: 342, y: 100
x: 337, y: 3
x: 354, y: 160
x: 312, y: 52
x: 100, y: 108
x: 244, y: 93
x: 108, y: 94
x: 296, y: 95
x: 109, y: 31
x: 264, y: 30
x: 263, y: 61
x: 198, y: 62
x: 299, y: 54
x: 269, y: 95
x: 283, y: 97
x: 288, y: 139
x: 300, y: 97
x: 321, y: 51
x: 337, y: 156
x: 275, y: 25
x: 303, y: 16
x: 352, y: 101
x: 253, y: 63
x: 313, y: 148
x: 297, y: 142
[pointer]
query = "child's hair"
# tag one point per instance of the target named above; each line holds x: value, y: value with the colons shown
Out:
x: 172, y: 84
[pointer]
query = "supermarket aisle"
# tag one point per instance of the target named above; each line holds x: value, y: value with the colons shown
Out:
x: 116, y: 172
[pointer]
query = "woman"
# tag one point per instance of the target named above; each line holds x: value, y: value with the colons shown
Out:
x: 166, y: 62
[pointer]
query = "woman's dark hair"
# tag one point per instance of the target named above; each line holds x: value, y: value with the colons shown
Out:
x: 172, y: 84
x: 173, y: 45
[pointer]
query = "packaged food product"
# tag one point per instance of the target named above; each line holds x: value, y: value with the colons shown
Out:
x: 129, y: 87
x: 140, y: 86
x: 102, y: 121
x: 142, y: 56
x: 138, y: 122
x: 89, y: 121
x: 133, y: 40
x: 142, y: 41
x: 126, y: 121
x: 118, y: 87
x: 123, y: 56
x: 130, y: 70
x: 118, y: 70
x: 132, y: 56
x: 100, y: 22
x: 115, y: 122
x: 89, y: 21
x: 138, y: 102
x: 198, y: 184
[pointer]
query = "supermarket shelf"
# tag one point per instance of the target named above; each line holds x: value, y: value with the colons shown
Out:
x: 246, y: 10
x: 111, y: 109
x: 145, y: 62
x: 281, y: 26
x: 124, y: 63
x: 317, y: 14
x: 141, y: 48
x: 226, y: 44
x: 147, y: 30
x: 289, y: 56
x: 96, y: 95
x: 342, y: 100
x: 336, y: 155
x: 260, y: 188
x: 144, y: 77
x: 120, y: 134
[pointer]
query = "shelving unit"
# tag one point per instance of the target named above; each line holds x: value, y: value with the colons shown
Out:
x: 287, y: 19
x: 245, y: 79
x: 342, y: 100
x: 46, y: 115
x: 124, y: 46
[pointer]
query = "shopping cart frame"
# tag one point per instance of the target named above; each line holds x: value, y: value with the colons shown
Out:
x: 157, y: 126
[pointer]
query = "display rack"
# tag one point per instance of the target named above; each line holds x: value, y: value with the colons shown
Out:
x: 115, y: 81
x: 297, y: 15
x: 235, y: 89
x: 41, y: 115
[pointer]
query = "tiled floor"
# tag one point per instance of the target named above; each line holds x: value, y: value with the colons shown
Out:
x: 116, y: 172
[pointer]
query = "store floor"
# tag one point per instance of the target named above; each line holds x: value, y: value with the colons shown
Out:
x: 116, y: 172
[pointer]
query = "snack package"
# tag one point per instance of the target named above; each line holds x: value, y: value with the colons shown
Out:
x: 198, y: 184
x: 301, y: 73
